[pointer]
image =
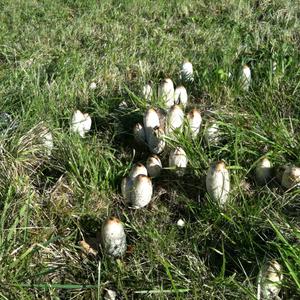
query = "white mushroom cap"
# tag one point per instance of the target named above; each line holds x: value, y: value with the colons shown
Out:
x: 93, y: 85
x: 246, y: 78
x: 180, y: 223
x: 187, y: 71
x: 263, y: 170
x: 142, y: 190
x: 166, y: 92
x: 181, y: 96
x: 194, y: 121
x: 291, y: 177
x: 218, y: 182
x: 156, y: 142
x: 151, y: 121
x: 175, y: 119
x: 138, y: 169
x: 113, y: 237
x: 178, y: 159
x: 154, y: 165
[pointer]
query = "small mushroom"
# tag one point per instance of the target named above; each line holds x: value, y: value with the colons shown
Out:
x: 93, y: 86
x: 218, y: 182
x: 166, y: 92
x: 181, y: 96
x: 175, y: 119
x: 263, y: 171
x: 180, y: 223
x: 291, y: 177
x: 178, y: 159
x: 156, y: 142
x: 154, y: 166
x: 141, y: 192
x: 246, y: 78
x: 113, y: 237
x: 138, y: 169
x: 194, y: 121
x: 151, y: 121
x: 187, y: 71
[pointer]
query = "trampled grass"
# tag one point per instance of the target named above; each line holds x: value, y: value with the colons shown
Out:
x: 50, y: 53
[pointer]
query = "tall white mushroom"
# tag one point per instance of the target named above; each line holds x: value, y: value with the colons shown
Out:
x: 154, y: 132
x: 113, y: 237
x: 142, y: 190
x: 246, y: 78
x: 127, y: 182
x: 154, y: 166
x: 181, y: 96
x: 81, y: 123
x: 178, y: 159
x: 162, y: 115
x: 166, y: 92
x: 186, y: 72
x: 175, y: 119
x: 156, y: 142
x: 218, y: 182
x: 194, y: 121
x: 151, y: 121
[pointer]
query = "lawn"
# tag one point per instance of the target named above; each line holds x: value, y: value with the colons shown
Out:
x: 51, y: 52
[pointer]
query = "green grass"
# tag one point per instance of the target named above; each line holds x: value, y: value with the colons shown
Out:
x: 50, y: 52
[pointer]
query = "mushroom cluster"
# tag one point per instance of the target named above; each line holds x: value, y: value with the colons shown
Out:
x: 160, y: 123
x: 157, y: 126
x: 137, y: 187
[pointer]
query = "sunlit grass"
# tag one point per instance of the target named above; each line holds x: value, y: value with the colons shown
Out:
x: 50, y: 53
